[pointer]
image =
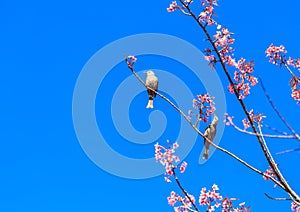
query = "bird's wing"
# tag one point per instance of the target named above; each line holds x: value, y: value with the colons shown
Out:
x: 207, y: 130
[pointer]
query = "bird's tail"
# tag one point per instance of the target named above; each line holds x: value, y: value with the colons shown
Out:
x: 150, y: 103
x: 205, y: 154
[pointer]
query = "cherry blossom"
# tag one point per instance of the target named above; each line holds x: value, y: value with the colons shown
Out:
x: 293, y: 62
x: 295, y: 207
x: 167, y: 158
x: 269, y: 172
x: 246, y: 123
x: 228, y: 119
x: 205, y: 106
x: 185, y: 203
x: 296, y: 95
x: 183, y: 167
x: 213, y: 200
x: 243, y: 78
x: 131, y: 60
x: 276, y: 54
x: 173, y: 6
x: 206, y: 15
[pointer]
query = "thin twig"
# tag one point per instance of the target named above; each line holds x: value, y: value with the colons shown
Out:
x: 289, y: 70
x: 277, y: 111
x: 277, y: 198
x: 265, y: 135
x: 288, y: 151
x: 274, y: 129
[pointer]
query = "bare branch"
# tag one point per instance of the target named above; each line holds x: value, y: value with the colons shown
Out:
x: 288, y: 151
x: 265, y: 135
x: 289, y: 70
x: 277, y: 198
x: 277, y: 111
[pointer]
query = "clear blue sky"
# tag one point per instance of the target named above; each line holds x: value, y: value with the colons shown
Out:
x: 44, y: 46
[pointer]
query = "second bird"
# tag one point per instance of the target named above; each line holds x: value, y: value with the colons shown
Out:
x: 210, y: 133
x: 151, y: 82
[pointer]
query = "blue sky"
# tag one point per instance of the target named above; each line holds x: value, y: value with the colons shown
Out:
x: 44, y: 47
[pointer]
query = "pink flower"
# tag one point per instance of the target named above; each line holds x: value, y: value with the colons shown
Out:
x: 276, y: 54
x: 173, y: 6
x: 242, y: 76
x: 131, y: 60
x: 295, y: 207
x: 231, y: 88
x: 296, y: 95
x: 228, y: 119
x: 215, y: 187
x: 246, y: 124
x: 230, y: 61
x: 269, y: 172
x: 167, y: 158
x: 204, y: 105
x: 210, y: 58
x: 293, y: 62
x: 183, y: 167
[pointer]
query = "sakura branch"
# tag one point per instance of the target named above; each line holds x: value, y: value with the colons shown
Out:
x: 229, y: 122
x: 210, y: 199
x: 277, y: 56
x: 204, y: 105
x: 239, y: 85
x: 130, y: 60
x: 278, y: 112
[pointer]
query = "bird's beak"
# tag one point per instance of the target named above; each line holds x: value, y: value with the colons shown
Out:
x: 145, y: 72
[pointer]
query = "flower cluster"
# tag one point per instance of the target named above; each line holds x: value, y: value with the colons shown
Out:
x: 269, y: 172
x: 205, y: 106
x: 131, y: 60
x: 243, y: 77
x: 276, y: 54
x: 228, y: 119
x: 222, y: 42
x: 186, y: 204
x: 208, y: 11
x: 173, y: 6
x: 167, y: 158
x: 295, y: 83
x: 210, y: 198
x: 293, y: 62
x: 295, y: 207
x: 254, y: 118
x: 213, y: 200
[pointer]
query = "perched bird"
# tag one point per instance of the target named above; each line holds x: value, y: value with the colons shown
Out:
x: 151, y: 82
x: 210, y: 133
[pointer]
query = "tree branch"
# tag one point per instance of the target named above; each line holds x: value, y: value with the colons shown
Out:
x: 277, y: 111
x: 183, y: 190
x: 277, y: 198
x: 198, y: 131
x: 263, y: 145
x: 265, y: 135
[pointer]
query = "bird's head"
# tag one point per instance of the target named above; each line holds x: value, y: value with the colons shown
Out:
x: 215, y: 119
x: 149, y: 73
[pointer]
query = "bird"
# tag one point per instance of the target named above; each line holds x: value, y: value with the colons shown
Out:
x: 209, y: 133
x: 151, y: 82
